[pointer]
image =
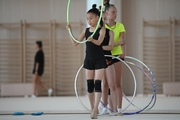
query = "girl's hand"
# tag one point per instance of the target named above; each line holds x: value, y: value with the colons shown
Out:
x: 90, y: 39
x: 122, y: 42
x: 68, y: 26
x: 122, y: 56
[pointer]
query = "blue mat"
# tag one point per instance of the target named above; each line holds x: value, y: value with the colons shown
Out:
x: 18, y: 113
x: 37, y: 113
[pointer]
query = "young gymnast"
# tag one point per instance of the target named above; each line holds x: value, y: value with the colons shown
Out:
x: 39, y: 69
x: 109, y: 77
x: 118, y: 50
x: 94, y: 62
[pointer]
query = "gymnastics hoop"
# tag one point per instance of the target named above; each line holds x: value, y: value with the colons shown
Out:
x: 150, y: 71
x: 75, y: 89
x: 97, y: 26
x: 135, y: 84
x: 153, y: 83
x: 125, y: 95
x: 152, y: 98
x: 145, y: 75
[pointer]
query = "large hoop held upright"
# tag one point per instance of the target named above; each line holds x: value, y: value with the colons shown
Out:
x: 70, y: 32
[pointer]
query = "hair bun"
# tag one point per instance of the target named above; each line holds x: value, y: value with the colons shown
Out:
x: 94, y: 6
x: 100, y: 8
x: 106, y: 2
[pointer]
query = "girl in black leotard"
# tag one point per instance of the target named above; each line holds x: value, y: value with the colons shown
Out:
x: 94, y: 62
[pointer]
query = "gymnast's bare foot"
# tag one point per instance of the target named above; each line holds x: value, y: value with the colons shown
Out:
x: 94, y: 114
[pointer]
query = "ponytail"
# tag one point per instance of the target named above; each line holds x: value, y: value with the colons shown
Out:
x: 107, y: 5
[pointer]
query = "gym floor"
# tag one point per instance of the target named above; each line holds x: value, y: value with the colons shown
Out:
x: 69, y: 108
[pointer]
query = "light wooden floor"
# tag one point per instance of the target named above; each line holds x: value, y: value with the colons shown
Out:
x: 69, y: 108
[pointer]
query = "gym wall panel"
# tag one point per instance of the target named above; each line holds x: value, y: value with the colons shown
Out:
x: 157, y: 51
x: 67, y: 59
x: 133, y: 11
x: 38, y: 32
x: 176, y: 49
x: 11, y: 69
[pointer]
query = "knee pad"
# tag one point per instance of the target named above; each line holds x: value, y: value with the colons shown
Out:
x: 90, y: 86
x: 98, y: 86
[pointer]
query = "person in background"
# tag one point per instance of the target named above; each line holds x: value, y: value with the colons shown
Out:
x: 38, y: 70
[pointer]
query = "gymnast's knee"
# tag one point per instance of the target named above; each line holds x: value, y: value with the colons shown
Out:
x: 90, y: 85
x: 98, y: 86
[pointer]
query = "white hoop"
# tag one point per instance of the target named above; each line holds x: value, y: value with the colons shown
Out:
x: 135, y: 84
x: 153, y: 78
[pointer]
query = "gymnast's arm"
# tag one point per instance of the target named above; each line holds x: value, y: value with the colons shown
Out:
x: 122, y: 41
x: 80, y: 38
x: 111, y: 42
x: 123, y: 46
x: 100, y: 39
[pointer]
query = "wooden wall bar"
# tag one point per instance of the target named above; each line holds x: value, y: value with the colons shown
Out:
x: 35, y: 32
x: 177, y: 49
x: 67, y: 59
x: 17, y: 51
x: 11, y: 52
x: 157, y: 51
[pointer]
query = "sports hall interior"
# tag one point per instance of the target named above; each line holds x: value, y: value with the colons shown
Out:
x: 152, y: 36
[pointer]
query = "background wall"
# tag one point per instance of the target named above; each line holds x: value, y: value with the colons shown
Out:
x: 133, y: 11
x: 40, y: 10
x: 130, y: 13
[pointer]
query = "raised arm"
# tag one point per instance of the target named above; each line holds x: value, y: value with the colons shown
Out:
x: 80, y: 38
